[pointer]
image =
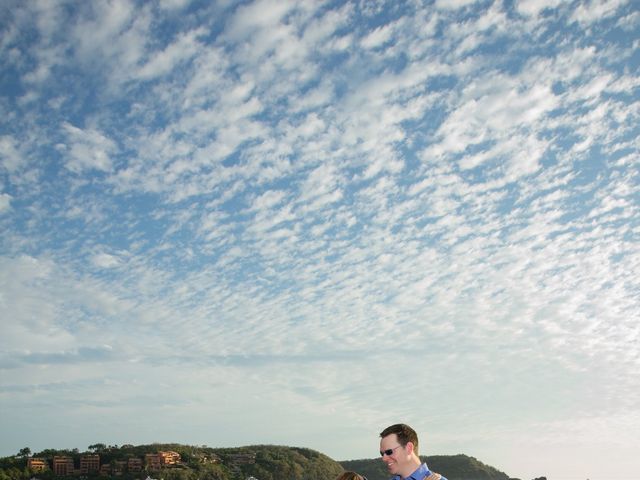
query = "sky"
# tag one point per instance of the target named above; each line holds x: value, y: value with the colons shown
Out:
x: 297, y: 222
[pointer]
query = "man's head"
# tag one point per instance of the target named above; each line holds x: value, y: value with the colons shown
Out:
x: 399, y: 449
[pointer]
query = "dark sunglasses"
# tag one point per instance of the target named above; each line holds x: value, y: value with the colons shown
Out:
x: 388, y: 451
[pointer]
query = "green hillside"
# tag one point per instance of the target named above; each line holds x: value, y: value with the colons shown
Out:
x: 289, y: 463
x: 261, y: 462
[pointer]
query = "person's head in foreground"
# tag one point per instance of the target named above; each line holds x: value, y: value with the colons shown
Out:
x: 399, y: 449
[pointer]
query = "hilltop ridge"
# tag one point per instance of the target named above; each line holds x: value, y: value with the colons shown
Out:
x: 172, y: 461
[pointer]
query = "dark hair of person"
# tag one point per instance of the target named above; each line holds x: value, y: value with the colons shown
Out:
x: 349, y: 475
x: 404, y: 433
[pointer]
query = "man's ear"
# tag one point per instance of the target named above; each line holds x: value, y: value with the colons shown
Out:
x: 409, y: 447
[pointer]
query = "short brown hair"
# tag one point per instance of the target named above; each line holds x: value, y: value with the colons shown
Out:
x: 404, y: 433
x: 349, y: 475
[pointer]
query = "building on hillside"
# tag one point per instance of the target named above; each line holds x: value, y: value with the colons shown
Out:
x: 153, y: 462
x: 37, y: 464
x: 105, y: 470
x: 63, y: 465
x: 134, y: 464
x: 89, y: 464
x: 207, y: 458
x: 169, y: 458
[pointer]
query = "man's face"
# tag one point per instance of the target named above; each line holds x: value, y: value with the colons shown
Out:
x: 394, y: 455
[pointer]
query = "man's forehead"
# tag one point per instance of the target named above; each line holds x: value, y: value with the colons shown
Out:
x: 389, y: 438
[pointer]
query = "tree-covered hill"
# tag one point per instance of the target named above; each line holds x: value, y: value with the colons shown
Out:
x: 289, y: 463
x: 262, y: 462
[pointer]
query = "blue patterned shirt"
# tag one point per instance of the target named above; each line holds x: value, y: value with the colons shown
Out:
x: 420, y: 474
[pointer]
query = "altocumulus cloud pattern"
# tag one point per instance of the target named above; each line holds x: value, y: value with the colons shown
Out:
x: 297, y: 222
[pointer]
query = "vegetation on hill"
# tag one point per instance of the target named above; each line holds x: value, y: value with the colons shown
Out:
x: 262, y: 462
x: 290, y: 463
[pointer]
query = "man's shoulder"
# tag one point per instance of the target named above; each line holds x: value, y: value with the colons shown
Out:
x: 434, y: 476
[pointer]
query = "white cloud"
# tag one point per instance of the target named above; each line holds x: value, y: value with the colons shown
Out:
x: 88, y: 150
x: 105, y: 260
x: 321, y: 30
x: 453, y: 4
x: 250, y: 19
x: 103, y: 24
x: 12, y: 159
x: 268, y: 199
x: 174, y: 4
x: 595, y: 10
x: 5, y: 202
x: 181, y: 51
x: 535, y: 7
x: 378, y: 37
x: 322, y: 181
x: 318, y: 97
x: 110, y: 38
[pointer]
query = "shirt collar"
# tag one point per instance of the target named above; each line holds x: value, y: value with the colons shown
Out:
x: 420, y: 474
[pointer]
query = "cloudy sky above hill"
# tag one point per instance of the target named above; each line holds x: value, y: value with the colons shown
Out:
x: 297, y: 222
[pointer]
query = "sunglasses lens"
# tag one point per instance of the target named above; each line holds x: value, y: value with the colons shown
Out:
x: 386, y: 452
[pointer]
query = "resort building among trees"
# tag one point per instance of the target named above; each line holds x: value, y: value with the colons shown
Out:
x: 134, y: 465
x: 89, y: 464
x: 37, y: 464
x: 63, y: 465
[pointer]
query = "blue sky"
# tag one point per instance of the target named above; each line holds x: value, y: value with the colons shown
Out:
x: 297, y: 222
